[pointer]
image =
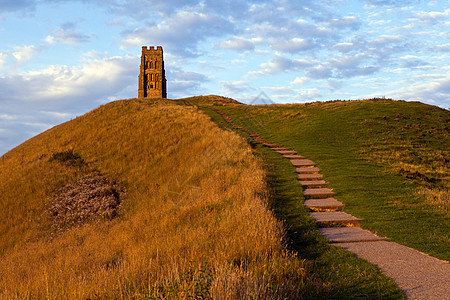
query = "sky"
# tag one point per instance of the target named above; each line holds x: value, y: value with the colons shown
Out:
x: 62, y: 58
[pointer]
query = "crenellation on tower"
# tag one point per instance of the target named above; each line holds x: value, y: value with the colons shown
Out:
x: 152, y: 77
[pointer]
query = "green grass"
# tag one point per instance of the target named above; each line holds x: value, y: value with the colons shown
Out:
x: 347, y: 276
x: 376, y: 155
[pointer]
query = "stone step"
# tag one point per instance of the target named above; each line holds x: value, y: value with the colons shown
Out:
x: 349, y: 235
x: 329, y: 218
x: 318, y: 193
x: 302, y: 162
x: 295, y: 156
x: 286, y: 152
x: 278, y: 148
x: 327, y: 204
x: 313, y: 183
x: 270, y: 145
x: 307, y: 170
x: 309, y: 176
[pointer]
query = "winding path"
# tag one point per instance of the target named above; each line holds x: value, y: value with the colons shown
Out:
x: 419, y: 275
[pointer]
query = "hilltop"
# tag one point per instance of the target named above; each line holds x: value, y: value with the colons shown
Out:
x: 211, y: 100
x: 175, y: 206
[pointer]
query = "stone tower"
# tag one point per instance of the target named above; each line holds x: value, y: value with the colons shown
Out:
x: 152, y: 77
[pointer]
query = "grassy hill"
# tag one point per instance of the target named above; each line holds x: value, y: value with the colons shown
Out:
x: 387, y: 160
x: 149, y: 199
x: 190, y: 215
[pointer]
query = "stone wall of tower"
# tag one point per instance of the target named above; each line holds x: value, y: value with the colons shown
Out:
x: 152, y: 76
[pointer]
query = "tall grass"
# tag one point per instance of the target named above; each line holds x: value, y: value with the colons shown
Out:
x: 194, y: 223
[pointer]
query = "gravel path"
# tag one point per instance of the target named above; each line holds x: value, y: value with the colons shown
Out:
x: 419, y: 275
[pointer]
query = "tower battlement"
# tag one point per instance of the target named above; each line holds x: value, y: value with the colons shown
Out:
x: 152, y: 48
x: 152, y: 77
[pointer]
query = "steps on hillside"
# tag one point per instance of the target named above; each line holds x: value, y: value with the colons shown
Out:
x: 310, y: 176
x: 294, y: 156
x: 313, y: 183
x: 327, y: 204
x: 419, y: 275
x: 331, y: 218
x: 302, y: 162
x: 349, y: 235
x: 318, y: 193
x: 270, y: 145
x: 286, y: 152
x: 307, y: 170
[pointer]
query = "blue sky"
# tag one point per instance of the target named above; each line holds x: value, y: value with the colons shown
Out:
x: 61, y: 58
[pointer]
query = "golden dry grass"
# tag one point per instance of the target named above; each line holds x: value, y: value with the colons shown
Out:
x: 194, y: 223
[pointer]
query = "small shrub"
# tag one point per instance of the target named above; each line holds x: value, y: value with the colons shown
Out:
x: 92, y: 196
x: 69, y: 158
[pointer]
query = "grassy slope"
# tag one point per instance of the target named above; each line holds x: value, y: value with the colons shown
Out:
x: 387, y: 161
x: 348, y: 277
x: 194, y: 222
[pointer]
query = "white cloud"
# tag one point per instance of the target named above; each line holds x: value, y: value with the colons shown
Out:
x: 425, y: 88
x: 282, y: 64
x: 181, y: 32
x: 443, y: 48
x: 384, y: 40
x: 145, y: 9
x: 279, y: 90
x: 178, y: 74
x: 334, y: 84
x: 351, y: 22
x: 234, y: 87
x: 305, y: 95
x: 58, y: 115
x: 319, y: 72
x: 433, y: 16
x: 24, y: 54
x: 380, y: 22
x: 2, y: 59
x: 8, y: 117
x: 67, y: 35
x: 291, y: 45
x: 237, y: 43
x: 300, y: 80
x: 344, y: 47
x: 79, y: 84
